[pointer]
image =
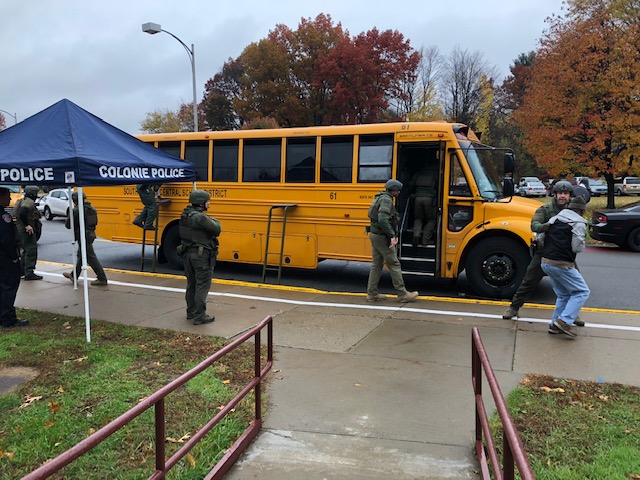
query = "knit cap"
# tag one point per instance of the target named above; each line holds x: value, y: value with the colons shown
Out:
x: 577, y: 203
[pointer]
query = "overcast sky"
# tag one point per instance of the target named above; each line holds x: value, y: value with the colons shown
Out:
x: 95, y: 54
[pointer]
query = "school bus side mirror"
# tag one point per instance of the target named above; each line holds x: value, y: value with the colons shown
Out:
x: 507, y: 187
x: 509, y: 164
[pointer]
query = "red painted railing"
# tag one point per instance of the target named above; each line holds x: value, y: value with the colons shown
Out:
x: 156, y: 401
x: 513, y: 451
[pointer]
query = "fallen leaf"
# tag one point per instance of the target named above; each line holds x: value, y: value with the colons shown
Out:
x: 54, y: 407
x: 60, y: 390
x: 191, y: 460
x: 358, y: 385
x: 226, y: 382
x: 49, y: 424
x: 549, y: 389
x: 8, y: 455
x: 81, y: 359
x: 633, y: 475
x: 603, y: 397
x: 29, y: 400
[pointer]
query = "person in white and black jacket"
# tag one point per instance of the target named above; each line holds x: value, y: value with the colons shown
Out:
x: 562, y: 242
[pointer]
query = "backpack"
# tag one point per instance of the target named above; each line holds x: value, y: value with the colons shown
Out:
x: 90, y: 217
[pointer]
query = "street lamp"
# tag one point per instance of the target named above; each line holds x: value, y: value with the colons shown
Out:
x: 14, y: 115
x: 152, y: 29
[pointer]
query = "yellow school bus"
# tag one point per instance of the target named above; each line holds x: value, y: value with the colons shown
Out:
x: 16, y: 193
x: 293, y: 197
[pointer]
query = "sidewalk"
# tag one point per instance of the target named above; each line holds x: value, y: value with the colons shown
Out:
x: 362, y: 391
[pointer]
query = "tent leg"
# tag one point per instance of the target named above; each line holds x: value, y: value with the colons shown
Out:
x: 144, y: 241
x: 155, y: 247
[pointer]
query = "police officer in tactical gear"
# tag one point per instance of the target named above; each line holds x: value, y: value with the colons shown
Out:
x: 423, y: 187
x: 199, y: 248
x: 582, y: 190
x: 147, y: 217
x: 562, y: 191
x: 90, y: 222
x: 9, y: 265
x: 383, y: 234
x: 29, y: 229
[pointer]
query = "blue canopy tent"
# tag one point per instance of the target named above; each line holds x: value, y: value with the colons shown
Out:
x: 66, y: 145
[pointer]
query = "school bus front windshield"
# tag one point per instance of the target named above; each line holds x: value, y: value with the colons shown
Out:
x: 483, y: 163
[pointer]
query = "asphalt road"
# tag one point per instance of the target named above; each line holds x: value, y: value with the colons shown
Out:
x: 610, y: 272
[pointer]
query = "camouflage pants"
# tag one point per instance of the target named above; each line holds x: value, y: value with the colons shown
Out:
x: 199, y: 271
x: 383, y: 254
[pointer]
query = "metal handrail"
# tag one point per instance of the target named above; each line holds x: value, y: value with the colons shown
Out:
x: 512, y: 445
x: 157, y: 400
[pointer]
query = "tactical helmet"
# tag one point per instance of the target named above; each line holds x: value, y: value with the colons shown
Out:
x: 31, y: 191
x: 199, y: 197
x: 74, y: 196
x: 562, y: 186
x: 393, y: 185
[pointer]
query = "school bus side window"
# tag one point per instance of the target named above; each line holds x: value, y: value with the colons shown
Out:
x: 225, y: 161
x: 458, y: 184
x: 375, y: 157
x: 262, y: 160
x: 301, y: 160
x: 336, y: 159
x: 197, y: 152
x: 171, y: 148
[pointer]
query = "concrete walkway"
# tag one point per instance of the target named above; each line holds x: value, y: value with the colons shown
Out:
x: 363, y: 391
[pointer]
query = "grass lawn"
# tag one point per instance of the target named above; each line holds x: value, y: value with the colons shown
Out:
x: 575, y: 430
x: 80, y: 387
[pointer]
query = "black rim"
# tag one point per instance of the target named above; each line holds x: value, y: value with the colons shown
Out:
x: 498, y: 269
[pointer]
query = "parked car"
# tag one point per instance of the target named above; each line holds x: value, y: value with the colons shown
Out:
x: 55, y: 204
x: 627, y: 186
x: 532, y: 189
x: 620, y: 226
x: 525, y: 180
x: 598, y: 187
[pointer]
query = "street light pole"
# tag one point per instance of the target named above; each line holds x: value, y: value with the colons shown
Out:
x: 15, y: 116
x: 152, y: 29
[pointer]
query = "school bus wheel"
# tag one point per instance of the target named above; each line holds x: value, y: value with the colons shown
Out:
x: 495, y: 267
x: 170, y: 244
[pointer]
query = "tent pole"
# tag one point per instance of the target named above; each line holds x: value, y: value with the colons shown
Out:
x: 83, y: 247
x: 74, y: 243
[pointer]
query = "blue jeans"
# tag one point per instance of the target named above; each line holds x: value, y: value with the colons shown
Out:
x: 571, y: 290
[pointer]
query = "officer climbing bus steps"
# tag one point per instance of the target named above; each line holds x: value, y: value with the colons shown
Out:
x: 155, y: 247
x: 150, y: 197
x: 281, y: 236
x: 417, y: 260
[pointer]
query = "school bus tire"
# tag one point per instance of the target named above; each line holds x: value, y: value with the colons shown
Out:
x: 169, y: 247
x: 496, y: 266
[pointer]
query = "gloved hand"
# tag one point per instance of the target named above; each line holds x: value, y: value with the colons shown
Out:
x: 546, y: 227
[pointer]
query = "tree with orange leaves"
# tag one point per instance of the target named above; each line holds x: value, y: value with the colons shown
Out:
x: 581, y: 109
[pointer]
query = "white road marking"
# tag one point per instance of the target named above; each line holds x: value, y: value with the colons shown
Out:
x: 388, y: 308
